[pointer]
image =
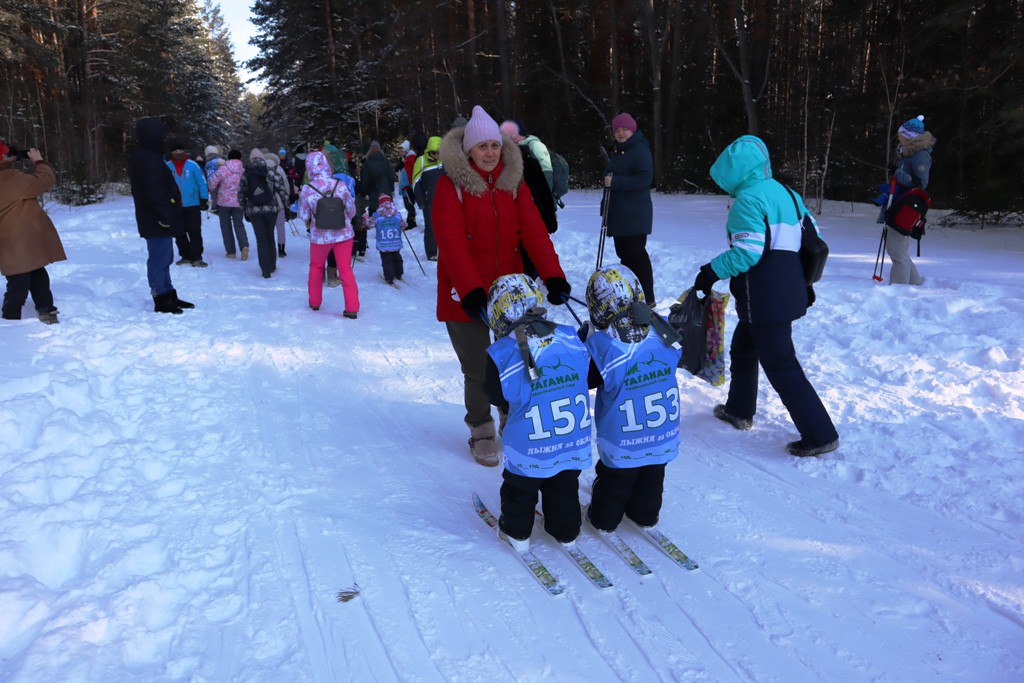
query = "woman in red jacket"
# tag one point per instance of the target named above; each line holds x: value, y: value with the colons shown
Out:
x: 482, y: 212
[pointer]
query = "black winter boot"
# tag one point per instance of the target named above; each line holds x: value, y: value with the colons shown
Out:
x: 165, y: 303
x: 280, y: 251
x: 804, y: 449
x: 178, y: 302
x: 740, y: 423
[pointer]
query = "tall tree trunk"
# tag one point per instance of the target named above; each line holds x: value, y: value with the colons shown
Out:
x: 657, y: 26
x: 566, y: 93
x: 742, y: 70
x: 331, y: 58
x: 613, y: 54
x: 474, y: 76
x: 503, y: 56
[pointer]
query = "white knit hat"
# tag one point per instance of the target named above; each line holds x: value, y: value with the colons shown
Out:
x: 481, y: 128
x: 255, y: 153
x: 211, y: 151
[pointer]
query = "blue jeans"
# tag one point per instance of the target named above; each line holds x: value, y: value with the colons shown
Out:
x: 158, y: 265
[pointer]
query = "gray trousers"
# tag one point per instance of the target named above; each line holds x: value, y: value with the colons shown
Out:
x: 280, y: 225
x: 903, y: 271
x: 231, y: 218
x: 470, y: 341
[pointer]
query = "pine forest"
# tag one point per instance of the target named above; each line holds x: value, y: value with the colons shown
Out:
x: 824, y: 83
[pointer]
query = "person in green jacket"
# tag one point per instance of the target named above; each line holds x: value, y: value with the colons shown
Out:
x: 514, y: 129
x: 767, y: 281
x: 428, y: 171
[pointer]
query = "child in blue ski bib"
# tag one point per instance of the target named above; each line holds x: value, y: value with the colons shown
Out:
x: 637, y: 406
x: 389, y: 225
x: 537, y: 376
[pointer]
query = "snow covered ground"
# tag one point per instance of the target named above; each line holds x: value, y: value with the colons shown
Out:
x: 182, y: 497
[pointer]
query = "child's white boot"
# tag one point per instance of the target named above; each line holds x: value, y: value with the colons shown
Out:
x: 517, y: 545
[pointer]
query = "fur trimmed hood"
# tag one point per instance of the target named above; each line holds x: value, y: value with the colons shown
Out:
x: 457, y: 165
x: 909, y: 148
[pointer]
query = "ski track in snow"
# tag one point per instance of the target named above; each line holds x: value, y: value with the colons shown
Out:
x: 182, y: 497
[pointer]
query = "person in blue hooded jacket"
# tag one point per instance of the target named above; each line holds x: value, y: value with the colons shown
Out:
x: 767, y: 281
x: 195, y: 195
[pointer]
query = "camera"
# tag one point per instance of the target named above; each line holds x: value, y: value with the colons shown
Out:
x: 18, y: 154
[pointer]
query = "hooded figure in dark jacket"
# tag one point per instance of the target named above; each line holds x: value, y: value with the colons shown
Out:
x: 377, y: 177
x: 158, y: 212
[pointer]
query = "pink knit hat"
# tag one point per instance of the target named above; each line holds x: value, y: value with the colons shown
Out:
x: 624, y: 120
x: 481, y: 128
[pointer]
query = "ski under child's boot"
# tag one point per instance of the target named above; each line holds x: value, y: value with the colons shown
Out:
x: 483, y: 444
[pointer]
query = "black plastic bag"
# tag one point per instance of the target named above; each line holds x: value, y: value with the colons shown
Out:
x: 690, y: 318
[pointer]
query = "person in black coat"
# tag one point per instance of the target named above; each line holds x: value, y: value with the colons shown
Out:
x: 377, y: 177
x: 630, y: 213
x: 537, y: 181
x: 158, y: 211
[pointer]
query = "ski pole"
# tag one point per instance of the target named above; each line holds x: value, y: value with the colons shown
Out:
x: 876, y: 274
x: 605, y: 198
x: 578, y: 321
x: 881, y: 245
x: 414, y: 253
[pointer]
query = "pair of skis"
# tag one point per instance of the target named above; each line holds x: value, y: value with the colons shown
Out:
x: 548, y: 581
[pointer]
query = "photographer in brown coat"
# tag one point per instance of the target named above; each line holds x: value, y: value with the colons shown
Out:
x: 28, y: 240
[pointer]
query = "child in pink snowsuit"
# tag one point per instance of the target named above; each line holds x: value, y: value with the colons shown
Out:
x: 322, y: 242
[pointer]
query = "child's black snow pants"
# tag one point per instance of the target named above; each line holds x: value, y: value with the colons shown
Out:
x: 634, y: 491
x: 560, y: 502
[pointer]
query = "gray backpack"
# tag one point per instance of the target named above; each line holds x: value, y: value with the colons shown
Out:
x: 330, y: 210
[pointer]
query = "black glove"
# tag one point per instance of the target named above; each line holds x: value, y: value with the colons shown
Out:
x: 705, y: 279
x: 811, y: 297
x: 204, y: 205
x: 917, y: 232
x: 290, y: 215
x: 558, y: 290
x: 474, y: 302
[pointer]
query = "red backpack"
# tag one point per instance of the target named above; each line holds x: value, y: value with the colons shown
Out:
x: 907, y: 214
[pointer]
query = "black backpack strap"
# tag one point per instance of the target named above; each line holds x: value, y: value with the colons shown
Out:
x: 796, y: 206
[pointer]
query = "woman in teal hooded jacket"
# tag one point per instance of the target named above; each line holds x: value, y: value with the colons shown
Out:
x: 767, y: 280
